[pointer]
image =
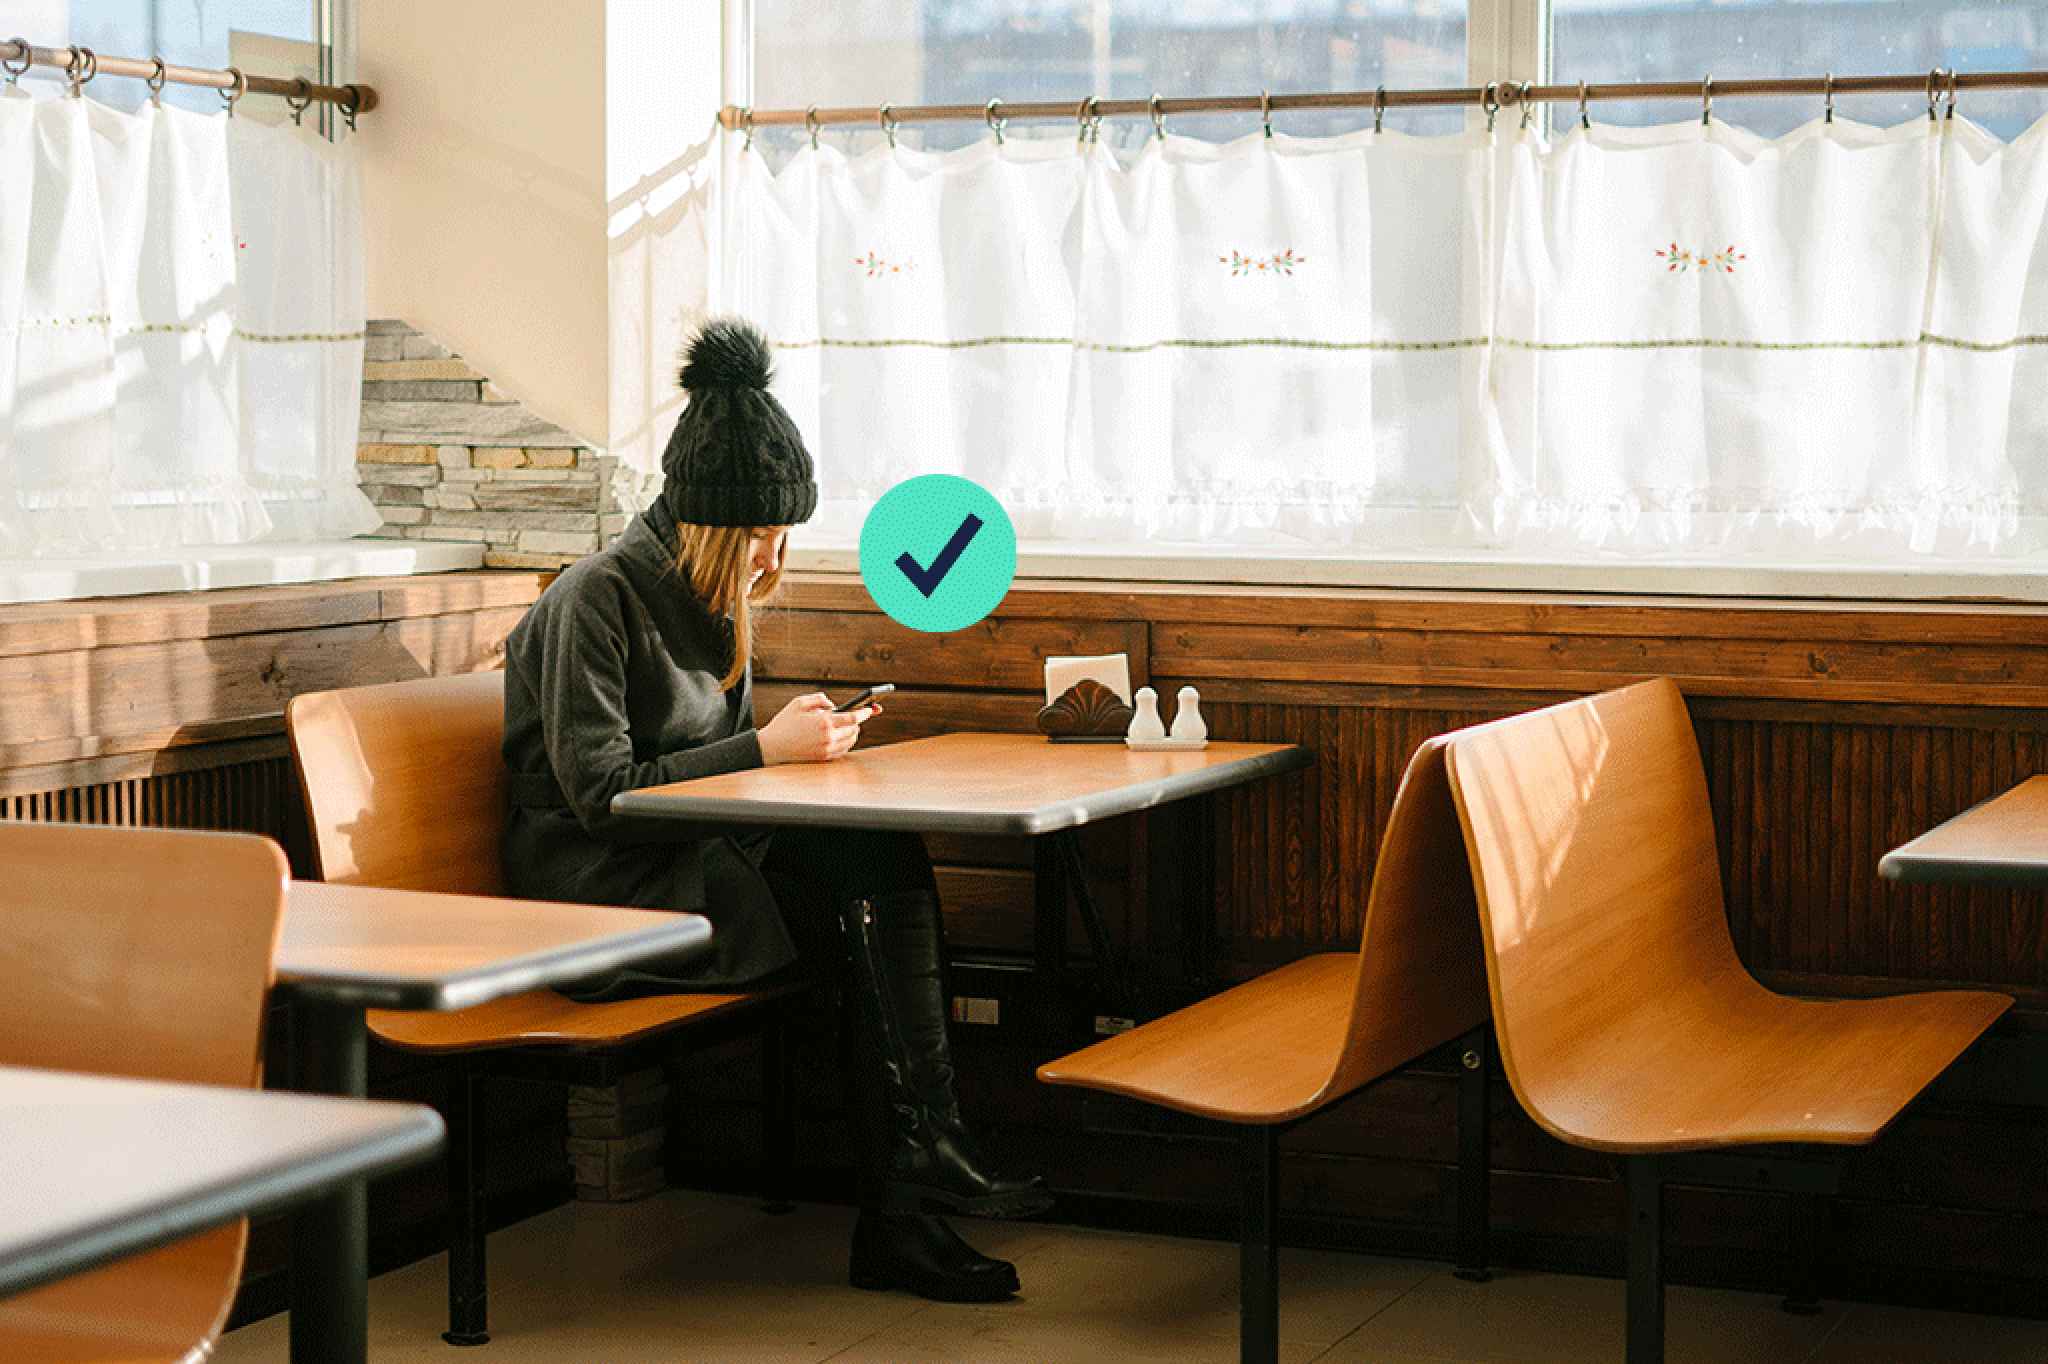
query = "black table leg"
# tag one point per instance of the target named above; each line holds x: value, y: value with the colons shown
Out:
x: 1109, y: 966
x: 330, y: 1290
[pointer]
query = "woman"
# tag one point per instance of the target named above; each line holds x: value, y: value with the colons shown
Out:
x: 632, y: 670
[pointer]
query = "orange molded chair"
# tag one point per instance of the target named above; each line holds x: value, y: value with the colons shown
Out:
x: 1625, y: 1020
x: 143, y: 953
x: 1283, y: 1047
x: 405, y: 788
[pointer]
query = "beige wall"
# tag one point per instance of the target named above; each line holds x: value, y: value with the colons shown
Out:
x: 484, y: 191
x: 662, y: 83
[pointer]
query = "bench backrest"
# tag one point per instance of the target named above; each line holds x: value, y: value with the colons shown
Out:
x: 1421, y: 978
x: 138, y: 952
x: 1592, y: 850
x: 405, y: 782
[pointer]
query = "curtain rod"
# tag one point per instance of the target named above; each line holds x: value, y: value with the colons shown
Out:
x: 352, y: 99
x: 1939, y: 83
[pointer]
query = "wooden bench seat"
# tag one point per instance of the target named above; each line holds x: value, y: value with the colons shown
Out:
x: 544, y: 1018
x: 1280, y: 1048
x: 1626, y: 1022
x: 1219, y: 1058
x: 405, y: 788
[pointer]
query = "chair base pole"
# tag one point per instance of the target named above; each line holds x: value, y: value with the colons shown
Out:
x: 1259, y: 1252
x: 1807, y: 1213
x: 1474, y: 1154
x: 1645, y: 1260
x: 468, y: 1280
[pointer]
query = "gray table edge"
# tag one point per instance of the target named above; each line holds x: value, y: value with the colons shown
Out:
x: 482, y: 984
x: 1042, y: 819
x: 278, y: 1185
x: 1914, y: 868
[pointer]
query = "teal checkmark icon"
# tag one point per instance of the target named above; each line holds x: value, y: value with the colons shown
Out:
x: 937, y: 552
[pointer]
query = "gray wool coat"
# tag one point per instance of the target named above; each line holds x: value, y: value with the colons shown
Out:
x: 611, y: 684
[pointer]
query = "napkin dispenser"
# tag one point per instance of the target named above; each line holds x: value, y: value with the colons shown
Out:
x: 1087, y: 699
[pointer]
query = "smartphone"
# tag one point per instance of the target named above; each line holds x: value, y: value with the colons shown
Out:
x: 862, y: 697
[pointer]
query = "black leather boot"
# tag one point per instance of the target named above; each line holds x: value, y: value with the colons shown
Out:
x: 920, y: 1254
x: 929, y: 1160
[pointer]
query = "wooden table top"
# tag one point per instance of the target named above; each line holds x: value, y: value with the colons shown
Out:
x: 101, y: 1167
x: 965, y: 783
x: 415, y: 949
x: 2003, y: 842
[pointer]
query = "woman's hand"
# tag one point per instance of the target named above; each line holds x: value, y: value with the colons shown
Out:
x: 807, y: 731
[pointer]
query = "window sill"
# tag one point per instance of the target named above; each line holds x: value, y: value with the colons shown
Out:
x: 1932, y: 580
x: 194, y: 570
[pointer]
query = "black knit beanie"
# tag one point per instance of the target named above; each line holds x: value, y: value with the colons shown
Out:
x: 735, y: 457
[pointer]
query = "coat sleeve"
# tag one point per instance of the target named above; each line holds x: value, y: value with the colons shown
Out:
x: 583, y: 659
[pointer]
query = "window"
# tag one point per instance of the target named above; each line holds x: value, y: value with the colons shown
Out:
x: 1684, y: 40
x: 967, y: 51
x: 276, y: 37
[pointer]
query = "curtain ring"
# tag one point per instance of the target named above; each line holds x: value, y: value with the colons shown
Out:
x: 996, y: 122
x: 1827, y: 86
x: 81, y: 66
x: 1933, y: 77
x: 1089, y: 119
x: 353, y: 107
x: 1489, y: 100
x: 1950, y: 111
x: 1707, y: 102
x: 1585, y: 119
x: 1379, y: 107
x: 1158, y: 117
x: 1266, y: 114
x: 746, y: 122
x: 233, y: 94
x: 886, y: 116
x: 156, y: 80
x: 15, y: 73
x: 1528, y: 109
x: 303, y: 102
x: 811, y: 124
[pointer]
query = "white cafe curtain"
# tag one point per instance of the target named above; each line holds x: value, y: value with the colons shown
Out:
x: 1683, y: 339
x: 181, y: 321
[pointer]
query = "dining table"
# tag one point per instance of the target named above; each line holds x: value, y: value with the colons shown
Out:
x: 106, y: 1166
x: 345, y: 949
x: 2000, y: 842
x: 973, y: 782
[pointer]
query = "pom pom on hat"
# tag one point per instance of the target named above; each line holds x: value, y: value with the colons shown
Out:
x: 728, y: 352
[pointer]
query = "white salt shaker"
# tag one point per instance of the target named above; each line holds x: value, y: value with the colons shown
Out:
x: 1145, y: 722
x: 1188, y: 724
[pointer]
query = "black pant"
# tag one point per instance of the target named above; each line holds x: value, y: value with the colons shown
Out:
x: 813, y: 872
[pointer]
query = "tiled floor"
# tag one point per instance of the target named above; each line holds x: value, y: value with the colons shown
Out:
x: 686, y: 1276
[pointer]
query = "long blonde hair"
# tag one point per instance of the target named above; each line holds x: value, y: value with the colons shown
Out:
x: 716, y: 562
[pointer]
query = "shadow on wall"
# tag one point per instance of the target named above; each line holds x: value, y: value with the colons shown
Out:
x: 658, y: 267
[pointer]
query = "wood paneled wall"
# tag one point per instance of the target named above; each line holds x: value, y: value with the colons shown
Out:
x: 1829, y: 733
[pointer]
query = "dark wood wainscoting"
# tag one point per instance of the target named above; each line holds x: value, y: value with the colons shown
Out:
x: 1830, y: 732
